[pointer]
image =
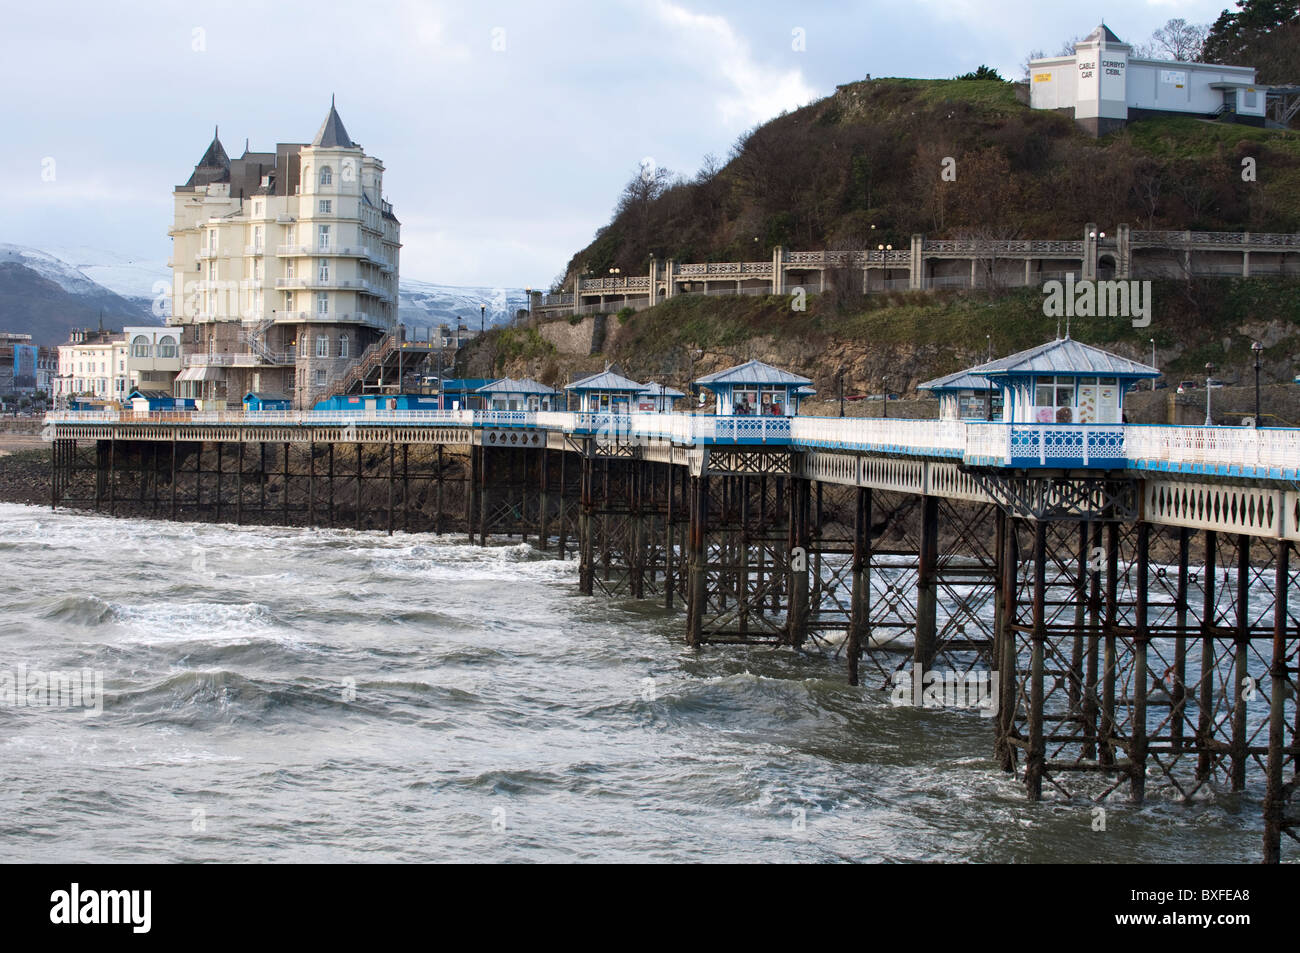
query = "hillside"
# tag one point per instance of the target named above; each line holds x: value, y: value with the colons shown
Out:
x: 862, y: 167
x: 895, y: 342
x: 46, y: 297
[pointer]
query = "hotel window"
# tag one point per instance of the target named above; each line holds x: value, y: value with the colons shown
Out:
x: 290, y: 268
x: 322, y: 378
x: 343, y: 345
x: 326, y: 175
x: 324, y: 269
x: 257, y: 237
x: 324, y: 240
x: 322, y: 346
x: 323, y: 304
x: 288, y: 301
x: 289, y: 235
x: 326, y: 206
x: 167, y: 346
x: 212, y: 271
x: 139, y: 346
x: 257, y: 208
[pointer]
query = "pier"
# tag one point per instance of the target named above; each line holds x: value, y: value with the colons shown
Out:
x: 1134, y: 587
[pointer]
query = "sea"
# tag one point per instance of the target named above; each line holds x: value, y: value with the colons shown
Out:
x: 277, y: 694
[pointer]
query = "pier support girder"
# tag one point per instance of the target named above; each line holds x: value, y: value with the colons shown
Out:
x: 1146, y: 655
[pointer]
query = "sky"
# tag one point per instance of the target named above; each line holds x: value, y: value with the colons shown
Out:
x: 507, y: 129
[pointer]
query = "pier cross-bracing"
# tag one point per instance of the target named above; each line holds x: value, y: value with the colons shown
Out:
x: 1134, y: 588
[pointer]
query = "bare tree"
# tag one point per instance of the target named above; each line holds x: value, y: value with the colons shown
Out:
x: 1033, y: 55
x: 709, y: 169
x: 1067, y: 47
x: 1148, y: 182
x: 1178, y: 40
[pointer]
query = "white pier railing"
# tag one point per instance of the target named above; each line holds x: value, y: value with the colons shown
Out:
x: 1270, y: 453
x: 1231, y: 451
x: 942, y: 438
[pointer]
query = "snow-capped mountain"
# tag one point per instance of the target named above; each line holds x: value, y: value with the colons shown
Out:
x: 128, y: 287
x: 425, y: 304
x: 137, y: 277
x: 46, y: 296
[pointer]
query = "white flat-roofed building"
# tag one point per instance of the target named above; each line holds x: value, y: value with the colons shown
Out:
x: 1104, y: 86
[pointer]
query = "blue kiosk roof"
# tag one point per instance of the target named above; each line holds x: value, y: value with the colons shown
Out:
x: 1064, y: 356
x: 508, y: 385
x: 962, y: 380
x: 663, y: 390
x: 753, y: 372
x: 607, y: 381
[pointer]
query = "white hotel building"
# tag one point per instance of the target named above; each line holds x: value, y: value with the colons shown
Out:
x: 1103, y: 86
x: 284, y: 268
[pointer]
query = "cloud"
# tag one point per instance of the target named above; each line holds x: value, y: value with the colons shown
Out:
x: 757, y: 92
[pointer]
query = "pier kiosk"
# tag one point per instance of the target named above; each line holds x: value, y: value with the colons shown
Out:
x: 1061, y: 382
x: 658, y: 398
x: 254, y: 402
x: 754, y: 389
x: 525, y: 394
x: 965, y: 395
x: 607, y: 393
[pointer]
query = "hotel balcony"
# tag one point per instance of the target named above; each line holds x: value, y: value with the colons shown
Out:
x: 244, y: 359
x: 334, y: 317
x: 359, y: 285
x: 343, y: 251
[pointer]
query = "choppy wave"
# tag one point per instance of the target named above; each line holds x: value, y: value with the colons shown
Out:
x: 342, y: 695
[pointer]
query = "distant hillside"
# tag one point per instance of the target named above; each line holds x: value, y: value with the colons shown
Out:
x: 45, y: 297
x: 862, y: 168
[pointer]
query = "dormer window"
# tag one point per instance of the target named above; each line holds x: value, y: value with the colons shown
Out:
x: 326, y: 175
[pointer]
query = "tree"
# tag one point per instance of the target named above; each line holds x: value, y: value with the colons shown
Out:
x: 1148, y: 183
x: 1033, y: 55
x: 1178, y: 40
x: 984, y: 72
x: 1234, y: 36
x: 1067, y: 47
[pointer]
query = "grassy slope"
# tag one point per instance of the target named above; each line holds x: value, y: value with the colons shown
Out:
x: 914, y: 337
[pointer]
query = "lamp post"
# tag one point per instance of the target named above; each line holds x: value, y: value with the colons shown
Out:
x: 884, y: 404
x: 1209, y: 376
x: 988, y: 350
x: 1153, y: 361
x: 841, y: 380
x: 1258, y: 349
x: 482, y: 319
